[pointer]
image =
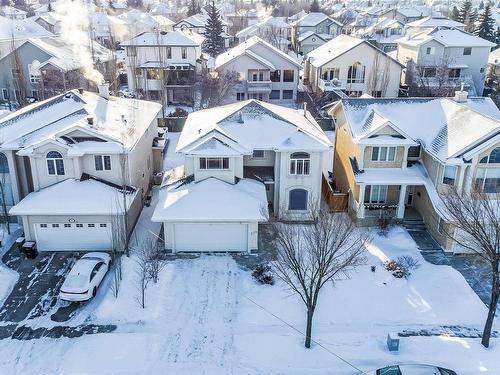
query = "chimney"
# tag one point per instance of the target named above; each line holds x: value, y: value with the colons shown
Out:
x: 461, y: 96
x: 90, y: 121
x: 305, y: 108
x: 80, y: 90
x: 103, y: 90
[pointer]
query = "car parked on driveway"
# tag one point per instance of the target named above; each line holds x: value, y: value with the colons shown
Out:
x: 82, y: 281
x: 411, y: 370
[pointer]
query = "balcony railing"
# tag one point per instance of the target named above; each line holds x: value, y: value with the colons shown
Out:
x: 259, y: 86
x: 381, y: 210
x: 333, y: 84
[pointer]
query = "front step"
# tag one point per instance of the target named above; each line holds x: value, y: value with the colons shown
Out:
x: 414, y: 225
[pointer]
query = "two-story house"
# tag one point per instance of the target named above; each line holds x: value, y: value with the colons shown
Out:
x: 395, y: 156
x: 274, y: 30
x: 265, y: 72
x: 430, y: 23
x: 383, y: 34
x: 312, y: 30
x: 198, y: 22
x: 162, y: 66
x: 78, y: 166
x: 440, y: 60
x: 241, y: 159
x: 353, y: 66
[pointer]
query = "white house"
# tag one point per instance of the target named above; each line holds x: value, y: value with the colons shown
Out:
x: 78, y: 166
x: 240, y: 159
x: 265, y: 72
x: 162, y: 66
x: 430, y: 23
x: 197, y: 23
x: 443, y: 58
x: 274, y: 30
x: 383, y: 33
x: 353, y: 66
x: 312, y: 30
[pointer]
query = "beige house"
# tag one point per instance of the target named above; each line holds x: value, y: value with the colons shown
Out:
x: 394, y: 156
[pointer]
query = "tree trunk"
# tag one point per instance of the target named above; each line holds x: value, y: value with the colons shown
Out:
x: 492, y: 310
x: 310, y: 313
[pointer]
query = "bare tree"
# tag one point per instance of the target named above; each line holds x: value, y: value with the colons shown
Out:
x: 311, y: 255
x: 214, y: 88
x: 143, y: 272
x: 4, y: 197
x: 475, y: 224
x: 155, y: 258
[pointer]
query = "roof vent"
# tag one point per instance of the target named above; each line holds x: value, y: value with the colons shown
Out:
x: 90, y: 121
x: 461, y: 96
x: 240, y: 117
x: 80, y: 90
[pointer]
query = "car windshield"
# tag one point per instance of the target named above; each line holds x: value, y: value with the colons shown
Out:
x: 390, y: 370
x: 444, y: 371
x: 75, y: 281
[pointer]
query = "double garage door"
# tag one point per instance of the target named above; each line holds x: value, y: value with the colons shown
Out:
x: 73, y: 236
x: 211, y: 237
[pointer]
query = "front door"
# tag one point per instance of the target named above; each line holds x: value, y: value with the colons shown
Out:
x: 410, y: 192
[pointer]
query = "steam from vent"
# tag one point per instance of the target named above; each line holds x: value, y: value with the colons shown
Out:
x: 75, y: 28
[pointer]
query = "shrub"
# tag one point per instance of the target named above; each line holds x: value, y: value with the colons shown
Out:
x: 407, y: 264
x: 179, y: 112
x: 391, y: 265
x: 263, y: 274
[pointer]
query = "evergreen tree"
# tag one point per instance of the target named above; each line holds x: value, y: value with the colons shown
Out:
x: 467, y: 15
x: 214, y: 42
x: 193, y: 8
x: 481, y: 5
x: 314, y: 8
x: 49, y: 6
x: 454, y: 14
x: 486, y: 27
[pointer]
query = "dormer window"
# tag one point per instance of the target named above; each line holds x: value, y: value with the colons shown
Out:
x: 300, y: 163
x: 214, y: 163
x: 383, y: 153
x: 55, y: 163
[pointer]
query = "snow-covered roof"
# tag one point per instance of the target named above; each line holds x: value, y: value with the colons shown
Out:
x: 413, y: 11
x: 21, y: 29
x: 246, y: 47
x: 314, y: 18
x: 494, y: 57
x: 166, y: 38
x: 199, y: 20
x: 446, y: 129
x: 449, y: 37
x: 74, y: 197
x: 435, y: 21
x: 116, y: 121
x: 252, y: 124
x: 212, y: 200
x: 52, y: 18
x: 9, y: 11
x: 271, y: 22
x: 307, y: 34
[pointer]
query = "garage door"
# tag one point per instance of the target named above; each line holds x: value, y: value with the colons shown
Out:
x: 73, y: 236
x: 211, y: 237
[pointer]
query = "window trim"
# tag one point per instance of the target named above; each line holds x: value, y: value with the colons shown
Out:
x: 301, y: 189
x: 467, y: 51
x: 55, y: 165
x: 444, y: 175
x: 262, y: 156
x: 369, y: 198
x: 387, y: 154
x: 223, y: 166
x: 300, y: 164
x: 102, y: 162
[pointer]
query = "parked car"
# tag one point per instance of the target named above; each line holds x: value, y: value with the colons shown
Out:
x: 82, y: 281
x: 411, y: 370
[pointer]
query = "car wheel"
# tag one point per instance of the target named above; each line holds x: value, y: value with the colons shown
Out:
x: 94, y: 292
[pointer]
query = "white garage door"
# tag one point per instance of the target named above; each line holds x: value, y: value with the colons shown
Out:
x: 211, y: 237
x: 73, y: 236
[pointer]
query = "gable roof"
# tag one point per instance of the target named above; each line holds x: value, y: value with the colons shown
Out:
x: 313, y: 19
x: 308, y: 34
x: 246, y: 46
x: 21, y: 29
x: 337, y: 47
x: 166, y: 38
x: 253, y: 125
x: 446, y: 129
x: 434, y: 21
x: 449, y: 37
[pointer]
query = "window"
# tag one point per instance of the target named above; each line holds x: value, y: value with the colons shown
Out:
x: 79, y: 225
x: 184, y: 52
x: 288, y: 75
x: 274, y: 95
x: 214, y: 163
x: 429, y: 72
x: 131, y: 51
x: 454, y: 73
x: 450, y: 172
x: 96, y: 269
x: 4, y: 164
x: 354, y: 93
x: 169, y: 52
x: 488, y: 180
x: 240, y: 96
x: 16, y: 72
x: 377, y: 94
x: 440, y: 227
x: 91, y: 225
x: 297, y: 200
x: 43, y: 225
x: 375, y: 193
x: 383, y: 153
x: 67, y: 225
x: 287, y: 94
x: 481, y: 70
x: 275, y: 76
x: 258, y: 154
x: 300, y: 163
x: 5, y: 94
x: 102, y: 162
x: 467, y: 51
x: 391, y: 370
x: 55, y: 225
x: 356, y: 73
x: 430, y: 50
x: 55, y: 163
x: 103, y: 225
x: 414, y: 152
x: 492, y: 158
x: 331, y: 74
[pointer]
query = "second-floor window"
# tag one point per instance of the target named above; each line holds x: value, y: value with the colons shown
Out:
x: 169, y: 52
x: 467, y: 51
x: 287, y: 75
x: 214, y: 163
x: 449, y: 175
x: 383, y: 153
x: 356, y: 73
x: 275, y: 76
x: 258, y: 154
x: 55, y: 163
x: 184, y: 52
x: 300, y: 163
x: 131, y: 51
x: 102, y: 162
x: 331, y: 74
x: 430, y: 50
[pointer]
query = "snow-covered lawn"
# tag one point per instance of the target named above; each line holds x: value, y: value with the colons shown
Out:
x: 8, y: 277
x: 207, y: 316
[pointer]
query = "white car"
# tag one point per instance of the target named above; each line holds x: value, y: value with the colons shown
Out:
x: 82, y: 281
x: 411, y: 370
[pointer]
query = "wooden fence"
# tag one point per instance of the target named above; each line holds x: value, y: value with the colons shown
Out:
x: 337, y: 202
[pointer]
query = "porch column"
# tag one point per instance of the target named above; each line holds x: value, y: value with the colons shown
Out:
x: 361, y: 202
x: 401, y: 203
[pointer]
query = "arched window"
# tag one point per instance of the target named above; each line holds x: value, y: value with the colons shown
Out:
x: 55, y: 163
x: 356, y: 73
x: 4, y: 164
x: 492, y: 158
x: 297, y: 200
x: 300, y: 163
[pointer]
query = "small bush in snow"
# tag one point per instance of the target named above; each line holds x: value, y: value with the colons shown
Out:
x: 391, y: 265
x: 263, y: 274
x: 407, y: 264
